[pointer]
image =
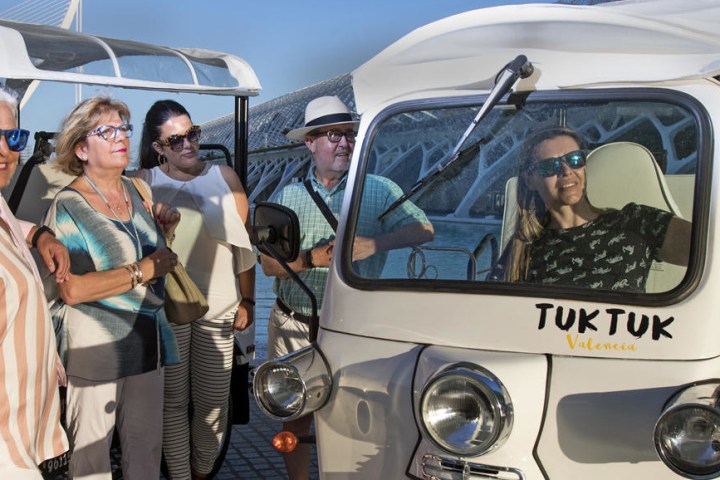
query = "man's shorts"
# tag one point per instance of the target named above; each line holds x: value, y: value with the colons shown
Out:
x: 285, y: 334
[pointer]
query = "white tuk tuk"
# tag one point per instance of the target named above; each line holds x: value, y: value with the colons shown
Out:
x: 435, y: 369
x: 31, y: 53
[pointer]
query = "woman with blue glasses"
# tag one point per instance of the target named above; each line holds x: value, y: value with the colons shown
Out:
x: 31, y: 427
x: 562, y: 239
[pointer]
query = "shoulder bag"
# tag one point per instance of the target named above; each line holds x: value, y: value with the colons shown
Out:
x: 184, y: 302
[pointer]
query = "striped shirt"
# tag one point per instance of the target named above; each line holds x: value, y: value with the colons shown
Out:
x: 378, y: 194
x: 30, y: 430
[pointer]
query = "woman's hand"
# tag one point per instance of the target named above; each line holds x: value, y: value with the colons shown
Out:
x: 244, y: 317
x: 55, y: 256
x: 167, y: 217
x: 158, y: 263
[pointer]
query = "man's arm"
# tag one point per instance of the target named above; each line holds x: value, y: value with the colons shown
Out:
x: 318, y: 257
x: 411, y: 234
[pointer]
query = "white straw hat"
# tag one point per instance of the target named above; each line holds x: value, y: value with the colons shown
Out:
x: 322, y: 112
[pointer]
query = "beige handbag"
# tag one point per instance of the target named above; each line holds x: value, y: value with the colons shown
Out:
x: 184, y: 302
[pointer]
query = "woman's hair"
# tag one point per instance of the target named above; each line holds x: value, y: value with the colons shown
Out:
x: 78, y: 123
x: 159, y: 113
x: 10, y: 98
x: 532, y: 217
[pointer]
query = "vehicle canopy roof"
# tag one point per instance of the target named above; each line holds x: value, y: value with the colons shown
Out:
x: 40, y: 52
x: 570, y: 46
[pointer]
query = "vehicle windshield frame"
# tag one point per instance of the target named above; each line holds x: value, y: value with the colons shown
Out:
x: 699, y: 217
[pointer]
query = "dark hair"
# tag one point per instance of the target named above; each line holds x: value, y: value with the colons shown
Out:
x: 159, y: 113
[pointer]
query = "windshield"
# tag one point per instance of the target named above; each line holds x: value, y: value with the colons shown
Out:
x: 596, y: 202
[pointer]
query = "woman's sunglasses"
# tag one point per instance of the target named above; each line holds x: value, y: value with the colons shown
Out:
x: 549, y: 167
x: 176, y: 142
x: 16, y: 138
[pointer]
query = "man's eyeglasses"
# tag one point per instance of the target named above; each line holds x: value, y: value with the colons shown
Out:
x: 16, y: 138
x: 109, y: 132
x: 336, y: 135
x: 553, y: 166
x: 176, y: 142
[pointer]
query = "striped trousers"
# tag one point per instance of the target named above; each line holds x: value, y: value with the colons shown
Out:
x: 203, y: 377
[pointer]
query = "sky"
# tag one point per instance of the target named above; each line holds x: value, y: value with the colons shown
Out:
x: 290, y: 44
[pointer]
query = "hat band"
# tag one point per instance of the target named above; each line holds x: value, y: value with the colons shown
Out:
x: 329, y: 119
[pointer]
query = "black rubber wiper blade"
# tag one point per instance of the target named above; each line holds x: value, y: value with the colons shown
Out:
x: 519, y: 68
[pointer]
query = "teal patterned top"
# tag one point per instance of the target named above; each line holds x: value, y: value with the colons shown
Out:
x: 122, y: 335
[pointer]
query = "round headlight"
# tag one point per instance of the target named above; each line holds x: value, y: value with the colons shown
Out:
x: 466, y: 410
x: 279, y: 389
x: 687, y: 438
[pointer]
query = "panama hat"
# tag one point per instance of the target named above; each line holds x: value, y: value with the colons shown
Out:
x: 322, y: 112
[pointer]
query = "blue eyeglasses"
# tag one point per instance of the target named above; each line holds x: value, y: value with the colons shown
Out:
x: 548, y: 167
x: 16, y: 138
x: 109, y: 132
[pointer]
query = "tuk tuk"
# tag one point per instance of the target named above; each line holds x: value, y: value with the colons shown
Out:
x: 435, y: 368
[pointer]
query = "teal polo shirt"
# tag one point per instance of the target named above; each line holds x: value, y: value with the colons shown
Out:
x: 378, y: 194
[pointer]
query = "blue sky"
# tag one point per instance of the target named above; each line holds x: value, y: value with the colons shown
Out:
x: 290, y: 44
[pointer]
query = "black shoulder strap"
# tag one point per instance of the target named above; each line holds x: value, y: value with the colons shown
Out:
x: 321, y: 205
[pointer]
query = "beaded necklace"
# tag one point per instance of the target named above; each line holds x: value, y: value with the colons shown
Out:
x: 133, y: 234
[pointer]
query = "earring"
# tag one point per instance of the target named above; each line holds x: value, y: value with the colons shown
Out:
x: 161, y: 159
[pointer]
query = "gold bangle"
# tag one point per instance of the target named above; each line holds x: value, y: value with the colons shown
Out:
x: 133, y: 280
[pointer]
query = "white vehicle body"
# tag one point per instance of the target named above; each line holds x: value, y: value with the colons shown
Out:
x: 588, y: 372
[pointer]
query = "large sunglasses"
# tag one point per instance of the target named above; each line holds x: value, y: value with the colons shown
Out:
x: 176, y: 142
x: 109, y: 132
x: 336, y: 135
x: 16, y: 138
x: 549, y: 167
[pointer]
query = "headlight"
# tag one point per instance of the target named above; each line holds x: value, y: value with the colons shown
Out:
x: 687, y: 435
x: 466, y: 410
x: 294, y: 385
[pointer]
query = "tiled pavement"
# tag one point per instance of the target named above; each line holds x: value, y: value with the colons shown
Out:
x: 251, y: 454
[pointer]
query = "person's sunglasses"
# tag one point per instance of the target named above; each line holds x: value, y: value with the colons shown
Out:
x: 109, y: 132
x: 552, y: 166
x: 176, y: 142
x: 16, y: 138
x: 336, y: 135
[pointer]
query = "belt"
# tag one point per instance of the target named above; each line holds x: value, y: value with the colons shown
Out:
x: 293, y: 314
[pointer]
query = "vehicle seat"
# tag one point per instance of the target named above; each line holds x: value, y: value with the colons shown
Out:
x: 618, y: 173
x: 44, y: 183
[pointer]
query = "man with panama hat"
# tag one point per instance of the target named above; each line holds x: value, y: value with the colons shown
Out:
x: 329, y: 134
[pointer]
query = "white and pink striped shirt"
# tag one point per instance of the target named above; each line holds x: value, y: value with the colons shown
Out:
x: 30, y: 430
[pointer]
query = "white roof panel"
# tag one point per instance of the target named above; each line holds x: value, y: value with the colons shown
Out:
x: 619, y: 42
x: 41, y: 52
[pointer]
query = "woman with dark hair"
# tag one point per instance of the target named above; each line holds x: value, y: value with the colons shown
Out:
x: 562, y: 239
x: 213, y: 244
x: 116, y: 333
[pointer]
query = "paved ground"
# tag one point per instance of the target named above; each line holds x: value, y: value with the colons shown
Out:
x: 251, y: 454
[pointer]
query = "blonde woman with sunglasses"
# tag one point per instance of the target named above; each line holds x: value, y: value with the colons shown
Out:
x: 213, y: 244
x: 562, y: 239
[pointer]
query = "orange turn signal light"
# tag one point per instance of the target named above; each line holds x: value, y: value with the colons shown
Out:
x: 285, y: 442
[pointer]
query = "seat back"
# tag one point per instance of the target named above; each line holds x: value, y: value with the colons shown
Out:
x: 44, y: 183
x: 623, y: 172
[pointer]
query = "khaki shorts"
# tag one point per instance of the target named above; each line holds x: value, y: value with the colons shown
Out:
x: 285, y: 334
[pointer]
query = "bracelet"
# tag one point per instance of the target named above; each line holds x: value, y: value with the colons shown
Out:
x: 251, y: 301
x: 138, y: 273
x: 308, y: 258
x: 133, y: 279
x: 39, y: 231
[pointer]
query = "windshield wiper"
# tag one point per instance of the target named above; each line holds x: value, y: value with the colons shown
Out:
x: 519, y: 68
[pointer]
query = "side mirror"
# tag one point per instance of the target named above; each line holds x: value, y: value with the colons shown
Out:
x: 276, y: 227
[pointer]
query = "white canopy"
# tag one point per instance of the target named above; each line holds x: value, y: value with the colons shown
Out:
x: 570, y: 46
x: 40, y: 52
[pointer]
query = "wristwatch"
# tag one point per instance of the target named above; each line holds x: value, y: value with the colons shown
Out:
x: 308, y: 258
